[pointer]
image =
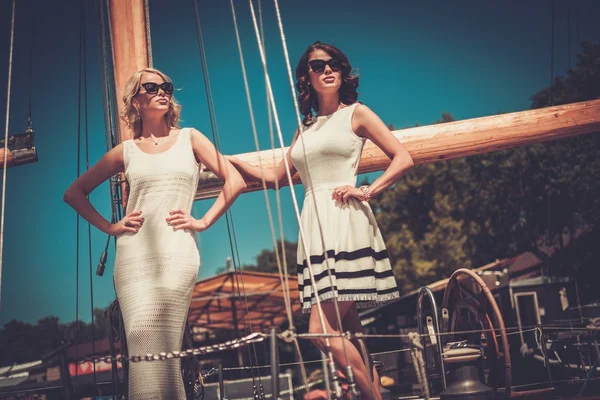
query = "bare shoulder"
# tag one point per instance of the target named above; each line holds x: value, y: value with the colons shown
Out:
x: 118, y: 148
x: 363, y: 112
x: 364, y: 120
x: 196, y: 135
x: 116, y: 153
x: 201, y: 144
x: 111, y: 162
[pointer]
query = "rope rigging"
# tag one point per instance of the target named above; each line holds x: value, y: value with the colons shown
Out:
x: 78, y: 173
x: 283, y: 272
x: 109, y: 122
x: 29, y: 121
x: 148, y: 35
x: 548, y: 215
x: 87, y: 167
x: 332, y: 368
x: 349, y: 371
x: 83, y: 129
x: 253, y: 357
x: 4, y: 166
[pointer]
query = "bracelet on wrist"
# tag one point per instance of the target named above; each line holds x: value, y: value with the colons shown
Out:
x: 366, y: 192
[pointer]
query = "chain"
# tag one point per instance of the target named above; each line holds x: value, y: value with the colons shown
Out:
x: 296, y: 389
x: 258, y: 337
x: 231, y: 344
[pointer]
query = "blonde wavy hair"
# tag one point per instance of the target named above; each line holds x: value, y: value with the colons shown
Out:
x: 130, y: 113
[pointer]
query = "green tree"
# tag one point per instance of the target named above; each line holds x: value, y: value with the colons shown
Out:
x: 266, y: 261
x: 22, y: 342
x: 470, y: 211
x: 418, y: 215
x: 17, y: 343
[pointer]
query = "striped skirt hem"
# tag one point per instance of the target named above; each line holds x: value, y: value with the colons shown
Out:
x: 362, y: 300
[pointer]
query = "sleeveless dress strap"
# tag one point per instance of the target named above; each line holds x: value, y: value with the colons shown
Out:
x: 187, y: 136
x: 127, y: 150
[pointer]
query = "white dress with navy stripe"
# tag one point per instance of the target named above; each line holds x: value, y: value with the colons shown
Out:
x: 347, y: 252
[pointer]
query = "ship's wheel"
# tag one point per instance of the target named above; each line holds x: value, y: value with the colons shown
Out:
x: 469, y: 306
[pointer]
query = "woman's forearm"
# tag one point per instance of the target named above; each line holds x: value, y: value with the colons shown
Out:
x: 397, y: 168
x: 231, y: 190
x: 254, y: 173
x: 80, y: 203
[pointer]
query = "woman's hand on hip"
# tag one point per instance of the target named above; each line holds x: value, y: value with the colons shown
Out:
x: 180, y: 220
x: 344, y: 193
x: 130, y: 223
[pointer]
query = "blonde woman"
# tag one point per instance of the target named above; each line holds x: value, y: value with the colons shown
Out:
x: 157, y: 258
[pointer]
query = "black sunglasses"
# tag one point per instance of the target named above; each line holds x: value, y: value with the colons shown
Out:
x: 318, y: 66
x: 152, y: 88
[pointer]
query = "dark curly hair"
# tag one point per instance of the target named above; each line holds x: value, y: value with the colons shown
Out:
x: 307, y: 98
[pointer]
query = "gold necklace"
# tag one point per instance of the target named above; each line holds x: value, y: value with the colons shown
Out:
x: 152, y: 140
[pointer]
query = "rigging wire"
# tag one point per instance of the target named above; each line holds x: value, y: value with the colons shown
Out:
x: 549, y: 231
x: 337, y: 388
x: 110, y: 135
x: 228, y: 215
x: 87, y: 167
x: 148, y: 35
x: 319, y: 223
x: 114, y: 77
x: 10, y: 59
x: 29, y: 121
x: 295, y: 202
x: 78, y: 169
x: 284, y: 282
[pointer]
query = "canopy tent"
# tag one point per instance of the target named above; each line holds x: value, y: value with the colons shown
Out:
x: 234, y: 301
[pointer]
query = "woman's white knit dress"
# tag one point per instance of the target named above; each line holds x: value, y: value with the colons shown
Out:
x: 343, y: 239
x: 156, y: 268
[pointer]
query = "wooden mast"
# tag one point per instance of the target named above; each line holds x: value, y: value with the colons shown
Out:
x: 128, y: 22
x: 130, y: 54
x: 454, y: 139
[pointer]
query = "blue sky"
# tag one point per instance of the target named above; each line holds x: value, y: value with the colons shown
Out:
x: 416, y: 59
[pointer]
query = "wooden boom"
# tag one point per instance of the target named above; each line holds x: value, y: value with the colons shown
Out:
x: 9, y: 158
x: 452, y: 139
x: 425, y: 143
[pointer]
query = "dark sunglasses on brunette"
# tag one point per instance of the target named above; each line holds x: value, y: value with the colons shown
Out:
x: 152, y: 88
x: 318, y: 66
